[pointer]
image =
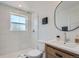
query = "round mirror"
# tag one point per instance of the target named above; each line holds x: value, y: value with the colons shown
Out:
x: 66, y: 16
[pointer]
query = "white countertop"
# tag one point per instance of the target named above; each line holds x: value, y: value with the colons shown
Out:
x: 72, y: 47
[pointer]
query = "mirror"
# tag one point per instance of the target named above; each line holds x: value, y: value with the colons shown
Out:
x: 66, y: 15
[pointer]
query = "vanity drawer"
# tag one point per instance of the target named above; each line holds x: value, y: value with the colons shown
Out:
x: 61, y: 54
x: 53, y: 52
x: 50, y: 56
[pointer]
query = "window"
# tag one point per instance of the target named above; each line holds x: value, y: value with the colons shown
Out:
x: 18, y: 23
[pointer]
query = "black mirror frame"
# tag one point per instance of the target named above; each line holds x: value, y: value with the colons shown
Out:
x: 55, y: 19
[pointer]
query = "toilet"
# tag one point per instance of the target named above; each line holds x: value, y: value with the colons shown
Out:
x: 37, y: 52
x: 34, y: 53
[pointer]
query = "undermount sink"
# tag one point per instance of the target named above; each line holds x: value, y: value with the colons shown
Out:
x: 68, y: 44
x: 72, y: 45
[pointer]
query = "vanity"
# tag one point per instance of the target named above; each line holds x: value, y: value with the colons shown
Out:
x: 58, y: 50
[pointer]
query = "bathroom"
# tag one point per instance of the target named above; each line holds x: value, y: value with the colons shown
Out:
x: 18, y: 38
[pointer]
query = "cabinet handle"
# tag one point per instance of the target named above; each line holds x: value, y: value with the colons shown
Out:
x: 59, y: 55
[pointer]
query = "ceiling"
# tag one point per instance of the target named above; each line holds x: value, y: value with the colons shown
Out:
x: 30, y: 5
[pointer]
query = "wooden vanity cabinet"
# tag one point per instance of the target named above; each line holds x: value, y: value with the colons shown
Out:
x: 54, y: 52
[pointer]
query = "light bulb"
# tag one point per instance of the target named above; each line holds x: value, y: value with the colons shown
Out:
x: 20, y: 5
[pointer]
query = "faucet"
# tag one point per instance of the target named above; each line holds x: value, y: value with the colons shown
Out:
x: 65, y: 39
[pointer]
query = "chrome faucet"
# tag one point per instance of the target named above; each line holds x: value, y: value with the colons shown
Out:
x: 65, y: 39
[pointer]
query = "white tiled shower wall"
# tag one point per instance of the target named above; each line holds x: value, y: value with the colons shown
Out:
x: 12, y: 41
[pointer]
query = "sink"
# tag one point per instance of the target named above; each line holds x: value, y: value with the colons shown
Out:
x: 72, y: 45
x: 68, y: 44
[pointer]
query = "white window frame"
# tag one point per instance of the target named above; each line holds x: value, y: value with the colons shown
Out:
x: 21, y: 15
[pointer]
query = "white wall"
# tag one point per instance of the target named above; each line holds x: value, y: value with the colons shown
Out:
x: 49, y: 31
x: 43, y: 9
x: 12, y: 41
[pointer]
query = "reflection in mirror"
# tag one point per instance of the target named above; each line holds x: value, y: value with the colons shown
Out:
x: 67, y: 15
